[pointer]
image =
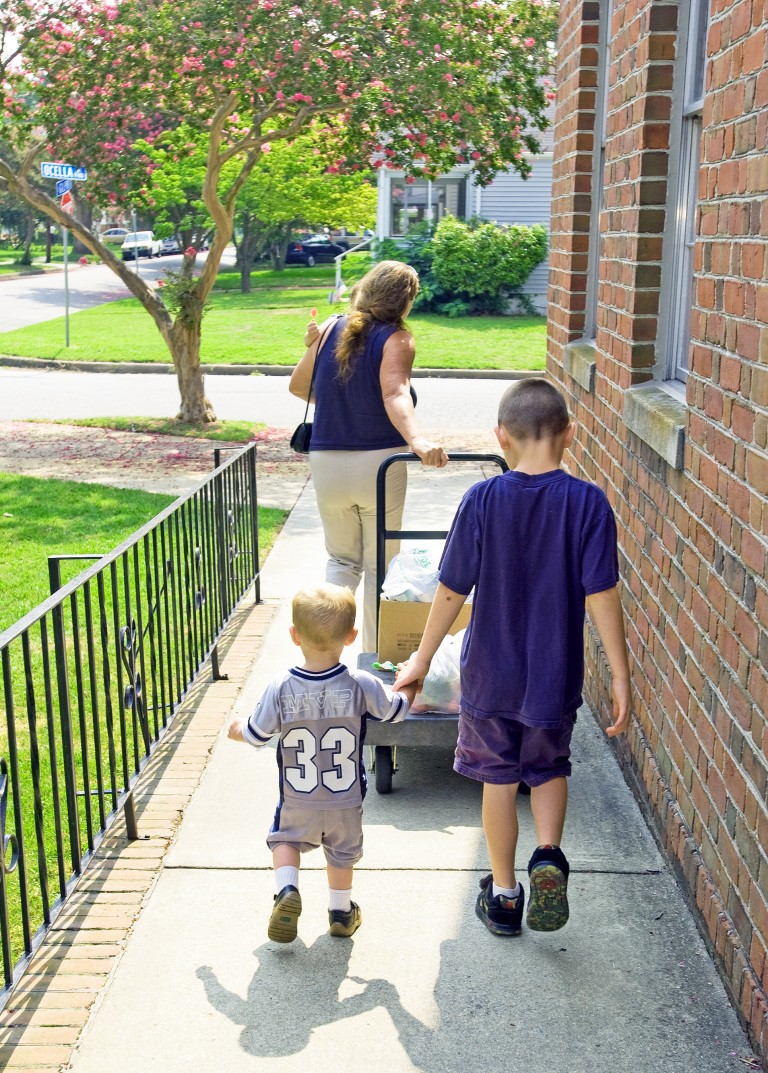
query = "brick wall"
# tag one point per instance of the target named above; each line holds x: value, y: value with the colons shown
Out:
x: 693, y: 541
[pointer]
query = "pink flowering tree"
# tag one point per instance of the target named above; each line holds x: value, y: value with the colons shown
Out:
x: 414, y: 84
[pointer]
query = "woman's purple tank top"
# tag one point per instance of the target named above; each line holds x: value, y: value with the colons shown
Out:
x: 350, y: 415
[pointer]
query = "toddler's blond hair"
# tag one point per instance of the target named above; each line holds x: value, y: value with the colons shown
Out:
x: 324, y: 615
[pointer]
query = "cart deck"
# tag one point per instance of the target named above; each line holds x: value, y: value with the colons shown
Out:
x: 433, y: 729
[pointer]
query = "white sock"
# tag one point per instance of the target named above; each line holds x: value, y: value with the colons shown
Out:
x: 340, y: 899
x: 287, y: 876
x: 507, y: 892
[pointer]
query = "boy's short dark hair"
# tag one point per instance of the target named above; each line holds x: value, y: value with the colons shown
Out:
x: 533, y: 409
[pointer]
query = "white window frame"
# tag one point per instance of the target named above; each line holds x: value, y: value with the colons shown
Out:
x: 680, y: 232
x: 598, y: 168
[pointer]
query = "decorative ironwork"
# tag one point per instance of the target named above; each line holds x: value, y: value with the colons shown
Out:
x: 95, y: 675
x: 7, y: 840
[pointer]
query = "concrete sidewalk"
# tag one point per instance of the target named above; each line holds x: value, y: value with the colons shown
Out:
x: 422, y: 986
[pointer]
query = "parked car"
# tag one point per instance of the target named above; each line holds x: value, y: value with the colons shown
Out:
x: 114, y: 236
x: 170, y: 245
x: 348, y: 239
x: 140, y: 244
x: 315, y: 249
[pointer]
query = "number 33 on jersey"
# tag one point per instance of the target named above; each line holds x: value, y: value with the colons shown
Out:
x: 321, y: 717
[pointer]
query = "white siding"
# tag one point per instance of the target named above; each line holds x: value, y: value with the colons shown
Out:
x: 511, y: 199
x: 508, y: 200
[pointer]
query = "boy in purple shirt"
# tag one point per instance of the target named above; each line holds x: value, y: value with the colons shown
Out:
x: 539, y: 547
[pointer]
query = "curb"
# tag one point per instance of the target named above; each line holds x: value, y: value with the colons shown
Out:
x: 8, y: 361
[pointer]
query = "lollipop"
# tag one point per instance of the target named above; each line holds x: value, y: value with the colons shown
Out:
x: 313, y: 313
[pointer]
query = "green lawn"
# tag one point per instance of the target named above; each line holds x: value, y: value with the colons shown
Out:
x: 9, y: 258
x: 46, y: 517
x: 266, y: 327
x: 37, y: 518
x: 228, y: 431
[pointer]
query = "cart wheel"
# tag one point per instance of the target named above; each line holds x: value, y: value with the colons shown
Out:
x: 383, y: 767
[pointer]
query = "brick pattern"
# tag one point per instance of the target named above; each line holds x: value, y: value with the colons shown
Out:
x: 42, y: 1022
x: 693, y: 543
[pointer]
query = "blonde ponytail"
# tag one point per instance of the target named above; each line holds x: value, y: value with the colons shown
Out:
x: 383, y: 295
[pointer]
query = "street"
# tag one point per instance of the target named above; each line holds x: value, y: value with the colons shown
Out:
x: 28, y: 393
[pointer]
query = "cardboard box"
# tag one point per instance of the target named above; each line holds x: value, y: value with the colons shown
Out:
x: 401, y: 624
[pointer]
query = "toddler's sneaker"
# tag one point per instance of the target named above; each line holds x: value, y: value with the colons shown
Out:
x: 502, y: 916
x: 548, y: 906
x: 343, y: 924
x: 285, y: 915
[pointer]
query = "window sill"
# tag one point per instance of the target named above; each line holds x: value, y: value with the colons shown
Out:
x: 579, y: 362
x: 659, y: 418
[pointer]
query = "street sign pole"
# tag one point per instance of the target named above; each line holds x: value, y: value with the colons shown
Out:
x: 135, y: 247
x: 65, y: 240
x: 65, y: 175
x: 67, y: 205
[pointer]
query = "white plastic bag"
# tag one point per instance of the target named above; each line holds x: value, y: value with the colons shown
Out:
x: 441, y: 690
x: 412, y: 575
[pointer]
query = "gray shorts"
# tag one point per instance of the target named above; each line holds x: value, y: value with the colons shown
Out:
x: 339, y: 831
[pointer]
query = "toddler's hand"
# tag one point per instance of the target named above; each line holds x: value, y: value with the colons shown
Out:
x: 311, y: 333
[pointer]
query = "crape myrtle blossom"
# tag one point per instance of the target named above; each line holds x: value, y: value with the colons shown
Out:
x: 419, y: 78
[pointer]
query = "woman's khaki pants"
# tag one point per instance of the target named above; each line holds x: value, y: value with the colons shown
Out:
x: 345, y: 484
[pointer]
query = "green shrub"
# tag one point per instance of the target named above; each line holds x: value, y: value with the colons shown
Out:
x: 483, y: 261
x: 473, y: 267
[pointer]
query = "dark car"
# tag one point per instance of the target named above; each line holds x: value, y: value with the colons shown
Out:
x: 313, y: 250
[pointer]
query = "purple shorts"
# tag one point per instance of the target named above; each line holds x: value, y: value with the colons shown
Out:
x: 504, y: 751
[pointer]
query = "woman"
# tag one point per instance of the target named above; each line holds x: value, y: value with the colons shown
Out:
x: 364, y: 412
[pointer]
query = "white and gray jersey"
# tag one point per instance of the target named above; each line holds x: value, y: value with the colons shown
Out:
x: 321, y: 719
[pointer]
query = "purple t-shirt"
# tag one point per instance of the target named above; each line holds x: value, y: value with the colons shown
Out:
x: 350, y: 415
x: 533, y: 547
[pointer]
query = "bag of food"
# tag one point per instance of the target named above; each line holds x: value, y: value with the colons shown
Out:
x: 412, y: 575
x: 441, y: 690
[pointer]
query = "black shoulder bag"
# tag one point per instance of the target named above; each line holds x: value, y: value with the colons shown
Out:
x: 302, y: 436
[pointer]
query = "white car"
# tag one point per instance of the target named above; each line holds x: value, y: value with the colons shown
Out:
x: 141, y: 244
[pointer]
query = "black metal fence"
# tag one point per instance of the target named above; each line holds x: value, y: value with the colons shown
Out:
x: 91, y: 680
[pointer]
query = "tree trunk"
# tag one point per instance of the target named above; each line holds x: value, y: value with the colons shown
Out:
x: 29, y: 238
x: 84, y: 211
x: 277, y: 251
x: 185, y: 346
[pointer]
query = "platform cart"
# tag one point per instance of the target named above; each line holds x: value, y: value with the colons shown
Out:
x: 436, y: 729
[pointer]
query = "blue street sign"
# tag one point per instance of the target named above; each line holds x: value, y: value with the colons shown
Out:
x: 62, y: 186
x: 63, y: 171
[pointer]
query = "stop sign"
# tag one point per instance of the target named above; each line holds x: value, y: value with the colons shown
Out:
x: 67, y: 203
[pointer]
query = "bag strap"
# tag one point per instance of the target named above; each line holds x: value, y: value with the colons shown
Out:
x: 323, y: 337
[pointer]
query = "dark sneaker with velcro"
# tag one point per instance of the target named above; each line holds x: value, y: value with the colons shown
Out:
x: 343, y: 924
x: 283, y: 924
x: 548, y: 905
x: 502, y: 916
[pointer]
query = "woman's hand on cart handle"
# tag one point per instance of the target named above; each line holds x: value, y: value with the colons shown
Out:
x: 431, y: 454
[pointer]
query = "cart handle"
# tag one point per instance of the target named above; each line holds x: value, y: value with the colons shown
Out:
x: 383, y: 534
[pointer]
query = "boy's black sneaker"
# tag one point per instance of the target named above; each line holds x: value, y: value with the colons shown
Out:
x: 548, y: 906
x: 344, y: 923
x: 283, y: 924
x: 502, y: 916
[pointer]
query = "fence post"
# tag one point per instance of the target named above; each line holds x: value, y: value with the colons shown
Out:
x: 67, y: 745
x: 222, y: 553
x: 254, y: 523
